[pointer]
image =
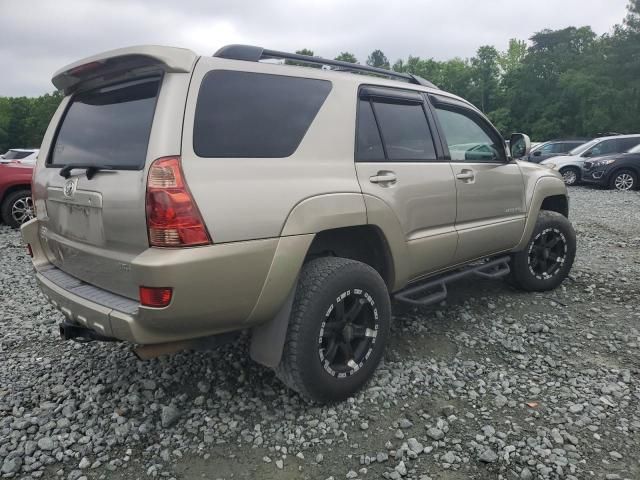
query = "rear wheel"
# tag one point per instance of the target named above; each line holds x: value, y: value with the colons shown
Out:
x: 570, y: 175
x: 624, y: 180
x: 17, y: 208
x: 337, y: 331
x: 548, y: 257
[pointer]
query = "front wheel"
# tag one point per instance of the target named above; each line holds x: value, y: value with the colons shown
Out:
x: 624, y: 180
x: 337, y: 331
x: 570, y: 175
x: 17, y: 208
x: 548, y: 257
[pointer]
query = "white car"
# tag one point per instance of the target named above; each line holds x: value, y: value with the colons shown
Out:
x: 20, y: 155
x: 570, y: 165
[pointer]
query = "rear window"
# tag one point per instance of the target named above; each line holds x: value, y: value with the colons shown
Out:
x: 108, y: 126
x: 245, y: 114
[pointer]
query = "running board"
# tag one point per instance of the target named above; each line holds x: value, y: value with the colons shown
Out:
x: 435, y: 290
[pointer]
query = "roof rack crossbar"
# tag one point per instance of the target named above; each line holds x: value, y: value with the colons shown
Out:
x: 254, y: 54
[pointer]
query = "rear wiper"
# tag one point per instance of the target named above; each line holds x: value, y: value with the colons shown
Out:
x: 91, y: 169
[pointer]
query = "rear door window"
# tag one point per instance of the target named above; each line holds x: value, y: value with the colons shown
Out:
x: 109, y: 126
x: 405, y: 131
x: 369, y: 144
x: 254, y: 115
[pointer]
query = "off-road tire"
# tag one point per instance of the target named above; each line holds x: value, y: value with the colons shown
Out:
x: 321, y: 283
x: 624, y: 180
x: 525, y: 269
x: 7, y: 206
x: 567, y: 181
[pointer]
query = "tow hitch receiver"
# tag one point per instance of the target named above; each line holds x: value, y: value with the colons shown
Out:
x: 72, y: 331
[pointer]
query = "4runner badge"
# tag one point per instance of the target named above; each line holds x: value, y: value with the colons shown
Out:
x: 69, y: 188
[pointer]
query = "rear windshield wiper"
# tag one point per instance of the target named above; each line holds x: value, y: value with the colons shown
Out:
x: 91, y: 169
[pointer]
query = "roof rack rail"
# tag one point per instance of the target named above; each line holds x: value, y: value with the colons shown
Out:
x: 251, y: 53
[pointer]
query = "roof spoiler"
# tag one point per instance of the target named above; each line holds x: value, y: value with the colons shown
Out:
x: 118, y: 61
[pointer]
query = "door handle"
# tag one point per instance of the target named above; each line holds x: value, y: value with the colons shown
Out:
x: 384, y: 177
x: 466, y: 175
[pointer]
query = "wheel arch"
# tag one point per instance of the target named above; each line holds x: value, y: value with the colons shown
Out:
x: 325, y: 225
x: 548, y: 193
x: 14, y: 188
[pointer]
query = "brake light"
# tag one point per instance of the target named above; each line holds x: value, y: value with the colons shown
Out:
x: 156, y: 297
x: 29, y: 250
x: 86, y: 67
x: 173, y: 219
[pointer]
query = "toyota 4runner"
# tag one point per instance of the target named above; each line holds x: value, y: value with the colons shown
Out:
x: 180, y: 198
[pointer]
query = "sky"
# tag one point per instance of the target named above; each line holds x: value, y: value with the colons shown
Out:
x: 37, y: 37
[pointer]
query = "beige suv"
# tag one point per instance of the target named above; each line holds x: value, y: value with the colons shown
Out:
x: 181, y: 199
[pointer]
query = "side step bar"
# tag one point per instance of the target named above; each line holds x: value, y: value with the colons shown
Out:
x: 435, y: 290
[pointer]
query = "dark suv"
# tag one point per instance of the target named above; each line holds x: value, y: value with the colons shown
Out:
x: 620, y: 171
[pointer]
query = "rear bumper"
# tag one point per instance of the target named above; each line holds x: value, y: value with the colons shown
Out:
x: 217, y: 289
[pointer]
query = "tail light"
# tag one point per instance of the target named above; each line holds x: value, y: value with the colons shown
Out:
x: 156, y: 297
x: 173, y: 219
x: 29, y: 250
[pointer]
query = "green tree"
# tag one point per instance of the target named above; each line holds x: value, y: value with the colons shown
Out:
x: 347, y: 57
x: 378, y: 59
x: 308, y: 53
x: 513, y: 57
x: 486, y: 71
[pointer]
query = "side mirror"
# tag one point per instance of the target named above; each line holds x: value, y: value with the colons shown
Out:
x: 587, y: 154
x: 537, y: 153
x: 520, y: 145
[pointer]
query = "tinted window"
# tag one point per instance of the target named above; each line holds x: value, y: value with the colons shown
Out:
x: 244, y: 114
x: 628, y: 143
x: 469, y: 138
x: 548, y: 148
x: 15, y: 155
x: 108, y: 126
x: 605, y: 147
x: 405, y: 131
x: 570, y: 146
x: 369, y: 144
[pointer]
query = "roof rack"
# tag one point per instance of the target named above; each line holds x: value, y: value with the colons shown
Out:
x: 251, y: 53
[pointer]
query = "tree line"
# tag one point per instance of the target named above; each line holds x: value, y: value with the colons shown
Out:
x: 565, y: 83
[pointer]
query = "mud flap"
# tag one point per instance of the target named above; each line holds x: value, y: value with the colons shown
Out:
x: 267, y: 340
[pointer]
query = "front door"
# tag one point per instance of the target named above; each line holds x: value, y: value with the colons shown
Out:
x: 491, y: 210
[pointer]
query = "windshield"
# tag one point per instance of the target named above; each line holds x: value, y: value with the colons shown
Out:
x: 109, y: 126
x: 15, y: 155
x: 583, y: 148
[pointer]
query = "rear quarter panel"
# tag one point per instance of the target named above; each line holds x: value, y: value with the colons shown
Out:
x: 251, y: 198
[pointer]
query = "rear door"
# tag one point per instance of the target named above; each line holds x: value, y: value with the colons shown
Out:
x: 93, y: 223
x: 490, y: 212
x: 398, y: 161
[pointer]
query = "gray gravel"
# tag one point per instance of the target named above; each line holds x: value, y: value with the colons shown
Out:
x: 492, y: 384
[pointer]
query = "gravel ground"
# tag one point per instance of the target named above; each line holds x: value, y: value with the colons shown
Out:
x: 492, y: 384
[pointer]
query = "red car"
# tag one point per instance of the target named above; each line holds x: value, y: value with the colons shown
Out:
x: 16, y: 206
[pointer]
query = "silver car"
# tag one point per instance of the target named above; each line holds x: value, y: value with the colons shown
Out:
x: 570, y: 165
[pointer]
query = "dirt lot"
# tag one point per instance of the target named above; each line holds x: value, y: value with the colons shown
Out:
x: 493, y: 384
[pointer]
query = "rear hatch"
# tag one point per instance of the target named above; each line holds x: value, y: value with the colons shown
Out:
x: 90, y: 187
